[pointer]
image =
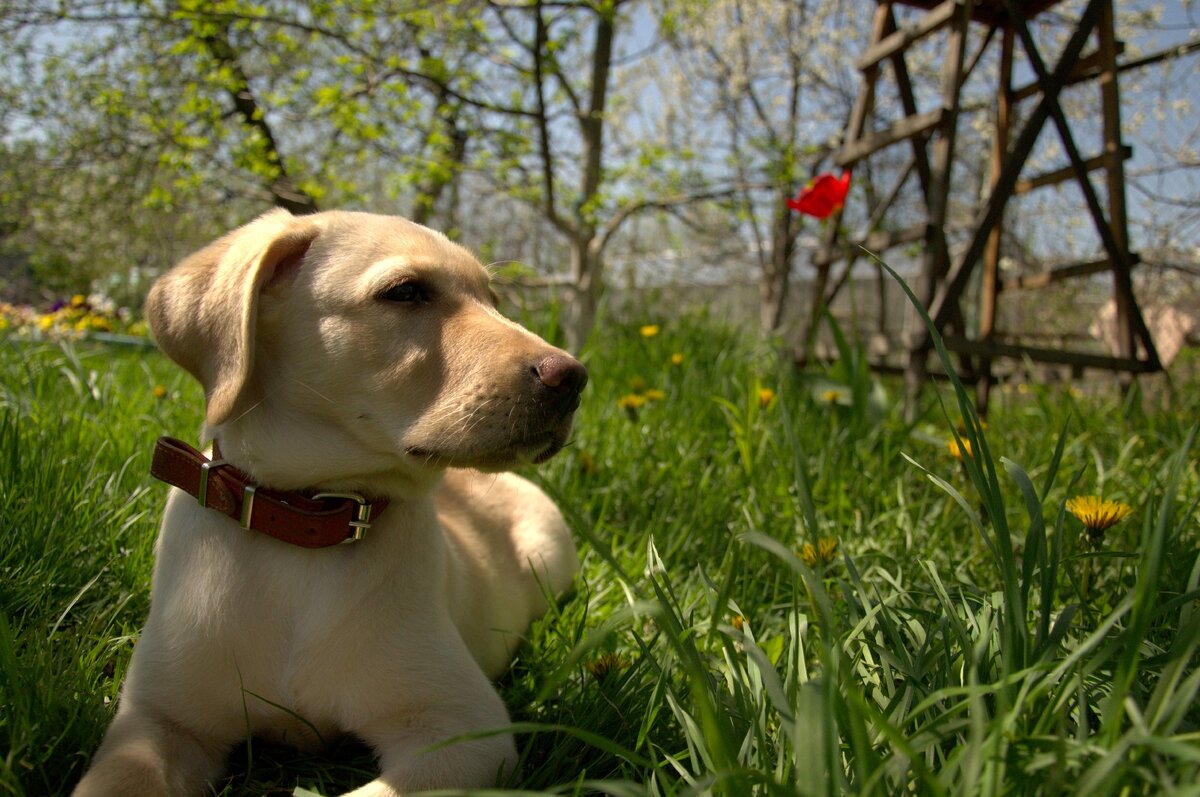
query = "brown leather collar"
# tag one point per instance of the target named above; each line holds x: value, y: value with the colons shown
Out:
x: 314, y: 520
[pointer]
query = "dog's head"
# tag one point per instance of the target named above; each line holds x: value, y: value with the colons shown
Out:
x: 369, y: 342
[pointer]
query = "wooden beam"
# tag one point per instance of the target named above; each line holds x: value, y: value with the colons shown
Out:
x: 1067, y: 172
x: 1088, y: 69
x: 937, y: 256
x: 991, y: 12
x: 995, y: 348
x: 902, y: 38
x: 935, y: 263
x: 1044, y: 278
x: 1129, y: 322
x: 988, y: 287
x: 1163, y: 55
x: 906, y: 128
x: 908, y: 102
x: 1113, y: 229
x: 993, y: 208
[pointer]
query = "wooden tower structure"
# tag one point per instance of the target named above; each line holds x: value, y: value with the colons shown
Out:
x: 947, y: 268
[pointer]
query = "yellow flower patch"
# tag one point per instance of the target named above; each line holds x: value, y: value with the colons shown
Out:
x: 956, y: 451
x: 824, y: 552
x: 631, y: 401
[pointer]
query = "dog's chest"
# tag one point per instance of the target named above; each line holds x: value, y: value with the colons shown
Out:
x: 292, y: 637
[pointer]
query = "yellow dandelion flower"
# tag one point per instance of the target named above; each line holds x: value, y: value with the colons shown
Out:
x: 160, y: 392
x: 956, y: 451
x: 1097, y: 514
x: 654, y: 394
x: 1022, y: 388
x: 827, y: 549
x: 1074, y: 392
x: 650, y: 330
x: 3, y: 323
x: 831, y: 396
x: 46, y: 322
x: 606, y: 664
x: 78, y: 300
x: 809, y: 555
x: 677, y: 358
x: 765, y: 396
x: 631, y: 402
x: 738, y: 622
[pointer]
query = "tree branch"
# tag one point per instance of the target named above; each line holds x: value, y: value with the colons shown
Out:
x: 663, y: 203
x: 549, y: 206
x: 285, y: 193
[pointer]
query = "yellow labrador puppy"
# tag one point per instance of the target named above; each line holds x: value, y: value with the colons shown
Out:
x: 348, y: 360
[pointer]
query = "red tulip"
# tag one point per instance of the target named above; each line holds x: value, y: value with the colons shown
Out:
x: 822, y: 197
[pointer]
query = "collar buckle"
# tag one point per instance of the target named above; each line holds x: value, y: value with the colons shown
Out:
x: 362, y: 515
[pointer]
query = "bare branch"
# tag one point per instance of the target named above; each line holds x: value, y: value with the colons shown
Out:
x: 662, y: 203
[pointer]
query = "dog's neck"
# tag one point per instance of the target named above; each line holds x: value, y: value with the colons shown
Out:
x: 319, y: 458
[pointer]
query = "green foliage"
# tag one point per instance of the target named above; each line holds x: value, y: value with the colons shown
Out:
x: 951, y: 646
x: 174, y: 112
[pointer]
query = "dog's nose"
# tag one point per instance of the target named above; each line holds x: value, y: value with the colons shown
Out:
x: 562, y: 373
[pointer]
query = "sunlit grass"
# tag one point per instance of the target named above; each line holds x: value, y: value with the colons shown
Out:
x: 785, y: 589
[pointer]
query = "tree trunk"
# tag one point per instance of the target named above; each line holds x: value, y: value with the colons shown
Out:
x: 583, y: 299
x: 776, y: 280
x: 586, y: 248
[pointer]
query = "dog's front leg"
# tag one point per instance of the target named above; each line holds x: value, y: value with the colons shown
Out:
x: 421, y: 749
x: 144, y: 754
x: 416, y: 763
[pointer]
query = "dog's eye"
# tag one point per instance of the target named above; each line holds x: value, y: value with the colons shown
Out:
x: 405, y: 292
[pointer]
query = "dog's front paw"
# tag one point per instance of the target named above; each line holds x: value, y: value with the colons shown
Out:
x: 474, y: 764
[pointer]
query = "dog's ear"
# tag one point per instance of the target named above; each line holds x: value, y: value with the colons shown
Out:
x: 204, y: 311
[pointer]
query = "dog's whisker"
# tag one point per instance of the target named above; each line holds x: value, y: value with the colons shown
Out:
x: 253, y: 407
x: 312, y: 389
x: 446, y: 414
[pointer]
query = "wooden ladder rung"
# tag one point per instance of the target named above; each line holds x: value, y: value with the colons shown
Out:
x: 994, y: 348
x: 1061, y: 273
x: 906, y: 128
x: 1060, y: 175
x: 898, y: 41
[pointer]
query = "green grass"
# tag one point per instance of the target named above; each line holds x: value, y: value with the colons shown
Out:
x: 964, y: 641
